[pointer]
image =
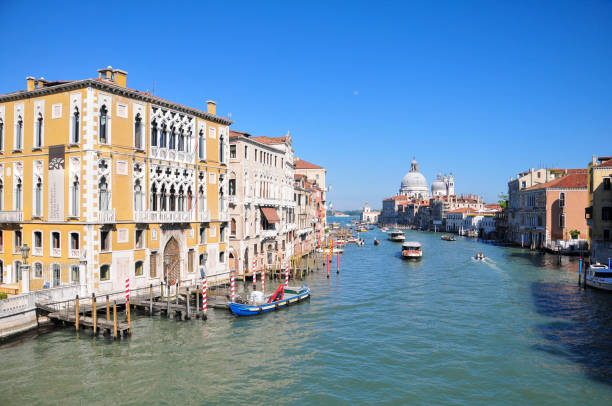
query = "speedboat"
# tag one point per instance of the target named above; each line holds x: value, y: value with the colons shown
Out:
x: 448, y: 238
x: 412, y: 250
x: 599, y: 276
x: 396, y: 235
x: 384, y: 229
x: 258, y: 303
x: 480, y: 256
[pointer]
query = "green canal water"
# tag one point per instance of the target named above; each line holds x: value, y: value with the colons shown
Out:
x: 515, y: 329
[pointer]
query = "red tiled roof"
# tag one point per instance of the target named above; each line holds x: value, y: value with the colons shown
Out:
x: 495, y: 206
x: 271, y: 140
x: 463, y: 210
x: 301, y: 164
x: 606, y: 163
x: 570, y: 181
x: 569, y: 170
x: 298, y: 176
x: 235, y: 133
x: 398, y: 197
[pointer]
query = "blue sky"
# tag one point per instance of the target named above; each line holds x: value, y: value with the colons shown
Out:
x: 480, y: 88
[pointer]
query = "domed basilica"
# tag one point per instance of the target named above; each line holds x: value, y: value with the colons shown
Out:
x: 414, y: 184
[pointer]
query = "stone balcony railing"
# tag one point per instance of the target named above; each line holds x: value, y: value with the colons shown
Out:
x: 204, y: 216
x: 106, y: 216
x: 74, y: 253
x: 232, y: 199
x: 268, y: 233
x: 148, y: 216
x: 37, y: 251
x: 11, y: 216
x: 56, y: 252
x: 261, y: 201
x: 223, y: 216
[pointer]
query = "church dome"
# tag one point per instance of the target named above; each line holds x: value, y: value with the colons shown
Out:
x: 414, y: 183
x: 438, y: 187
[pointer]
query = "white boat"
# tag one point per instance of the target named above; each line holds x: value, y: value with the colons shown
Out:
x: 334, y: 250
x: 412, y: 250
x: 396, y: 235
x: 599, y: 276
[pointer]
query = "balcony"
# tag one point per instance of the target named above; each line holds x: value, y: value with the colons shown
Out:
x: 74, y: 253
x: 268, y: 233
x: 56, y: 252
x: 147, y: 216
x: 231, y: 199
x: 37, y: 251
x: 106, y: 216
x: 204, y: 216
x: 11, y: 216
x: 223, y: 216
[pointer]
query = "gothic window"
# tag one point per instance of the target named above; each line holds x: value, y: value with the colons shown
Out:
x: 105, y: 272
x: 154, y: 133
x: 39, y: 132
x: 162, y: 199
x: 181, y: 140
x: 1, y: 195
x: 19, y: 133
x: 233, y: 228
x: 1, y: 135
x: 138, y: 132
x: 201, y: 199
x: 221, y: 149
x: 188, y: 141
x: 172, y: 139
x: 181, y: 199
x: 154, y: 198
x: 201, y: 144
x: 103, y: 194
x: 137, y: 196
x: 189, y: 199
x: 75, y: 126
x: 19, y: 195
x: 103, y: 125
x: 162, y: 136
x: 74, y: 197
x: 38, y: 197
x: 172, y: 198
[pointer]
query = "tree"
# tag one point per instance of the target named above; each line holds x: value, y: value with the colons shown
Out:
x: 575, y: 234
x: 503, y: 200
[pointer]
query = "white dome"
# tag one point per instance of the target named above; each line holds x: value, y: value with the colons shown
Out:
x: 414, y: 183
x: 438, y: 187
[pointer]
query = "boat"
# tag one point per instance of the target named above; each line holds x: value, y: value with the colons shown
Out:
x: 396, y: 235
x: 599, y: 276
x: 480, y: 256
x: 412, y: 250
x: 258, y: 303
x: 376, y: 242
x: 448, y: 238
x: 334, y: 250
x: 384, y: 229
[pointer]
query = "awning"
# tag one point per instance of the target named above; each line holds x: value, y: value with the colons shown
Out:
x: 271, y: 214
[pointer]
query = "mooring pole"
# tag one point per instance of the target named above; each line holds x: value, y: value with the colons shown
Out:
x: 76, y: 307
x: 579, y: 270
x: 188, y: 309
x: 94, y: 313
x: 115, y: 319
x: 151, y: 299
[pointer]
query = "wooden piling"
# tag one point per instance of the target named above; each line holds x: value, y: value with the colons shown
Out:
x: 107, y: 309
x: 151, y: 300
x: 168, y: 301
x: 94, y: 313
x: 176, y: 292
x: 115, y: 320
x: 129, y: 321
x: 76, y: 307
x: 187, y: 304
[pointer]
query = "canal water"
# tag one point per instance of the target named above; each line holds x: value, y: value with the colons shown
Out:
x: 515, y: 329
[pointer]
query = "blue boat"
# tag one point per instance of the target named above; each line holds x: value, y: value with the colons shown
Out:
x: 297, y: 295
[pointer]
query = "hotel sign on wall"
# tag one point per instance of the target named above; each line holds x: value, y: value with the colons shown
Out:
x: 56, y: 182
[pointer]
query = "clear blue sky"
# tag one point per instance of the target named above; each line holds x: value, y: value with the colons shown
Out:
x: 480, y: 88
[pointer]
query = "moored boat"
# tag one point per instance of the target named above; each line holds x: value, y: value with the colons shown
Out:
x: 599, y: 276
x: 448, y: 238
x: 396, y: 235
x: 412, y: 250
x: 384, y: 229
x: 270, y: 303
x: 334, y: 250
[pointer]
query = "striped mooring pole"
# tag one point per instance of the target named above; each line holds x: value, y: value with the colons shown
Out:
x: 263, y: 281
x: 579, y: 270
x: 204, y: 300
x: 286, y: 275
x: 127, y: 289
x: 254, y: 275
x: 338, y: 261
x: 233, y: 286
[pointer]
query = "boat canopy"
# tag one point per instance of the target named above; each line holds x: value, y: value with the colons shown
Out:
x: 411, y: 245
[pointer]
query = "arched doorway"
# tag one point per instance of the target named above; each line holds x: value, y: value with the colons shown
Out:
x: 172, y: 270
x: 233, y: 264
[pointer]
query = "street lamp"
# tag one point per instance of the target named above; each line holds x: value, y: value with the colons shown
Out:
x: 25, y: 251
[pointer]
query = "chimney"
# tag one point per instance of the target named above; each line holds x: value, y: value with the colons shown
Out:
x: 211, y: 107
x: 117, y: 76
x: 106, y: 74
x: 30, y: 81
x: 120, y: 77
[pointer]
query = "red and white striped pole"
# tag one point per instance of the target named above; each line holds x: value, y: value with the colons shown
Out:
x: 338, y: 262
x: 127, y: 289
x: 233, y: 286
x: 204, y: 300
x: 254, y: 274
x: 263, y: 281
x: 286, y: 275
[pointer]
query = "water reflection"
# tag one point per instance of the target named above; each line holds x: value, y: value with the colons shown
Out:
x: 582, y: 329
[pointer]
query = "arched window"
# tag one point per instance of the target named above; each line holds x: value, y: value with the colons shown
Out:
x: 137, y: 196
x: 188, y: 141
x: 172, y: 139
x: 1, y: 195
x: 76, y: 123
x: 103, y: 194
x: 56, y: 272
x: 39, y: 132
x: 221, y: 148
x: 163, y: 199
x: 1, y: 135
x: 74, y: 197
x: 138, y: 132
x: 103, y: 125
x: 154, y: 206
x: 201, y: 199
x: 233, y: 228
x: 74, y: 273
x: 38, y: 270
x: 154, y: 133
x: 19, y: 195
x: 105, y: 273
x: 138, y: 268
x: 189, y: 199
x: 162, y: 136
x: 181, y: 199
x: 38, y: 197
x: 19, y: 133
x: 181, y: 140
x: 172, y: 198
x: 201, y: 145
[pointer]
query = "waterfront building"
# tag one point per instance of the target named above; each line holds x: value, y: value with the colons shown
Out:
x: 306, y: 214
x: 599, y: 210
x: 368, y: 215
x: 106, y: 183
x: 390, y: 206
x: 315, y: 174
x: 414, y: 184
x: 261, y: 201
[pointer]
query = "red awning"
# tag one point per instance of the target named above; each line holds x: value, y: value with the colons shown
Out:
x: 271, y: 214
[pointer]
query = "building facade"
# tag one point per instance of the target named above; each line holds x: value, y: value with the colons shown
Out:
x: 599, y: 210
x: 118, y: 181
x: 369, y: 216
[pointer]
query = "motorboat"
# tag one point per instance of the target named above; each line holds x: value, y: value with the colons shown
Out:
x: 333, y: 250
x: 480, y: 256
x: 412, y: 250
x: 599, y: 276
x: 384, y: 229
x: 258, y: 303
x: 396, y: 236
x: 448, y: 238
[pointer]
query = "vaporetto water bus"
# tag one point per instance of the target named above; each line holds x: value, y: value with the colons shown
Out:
x: 396, y: 235
x: 412, y: 250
